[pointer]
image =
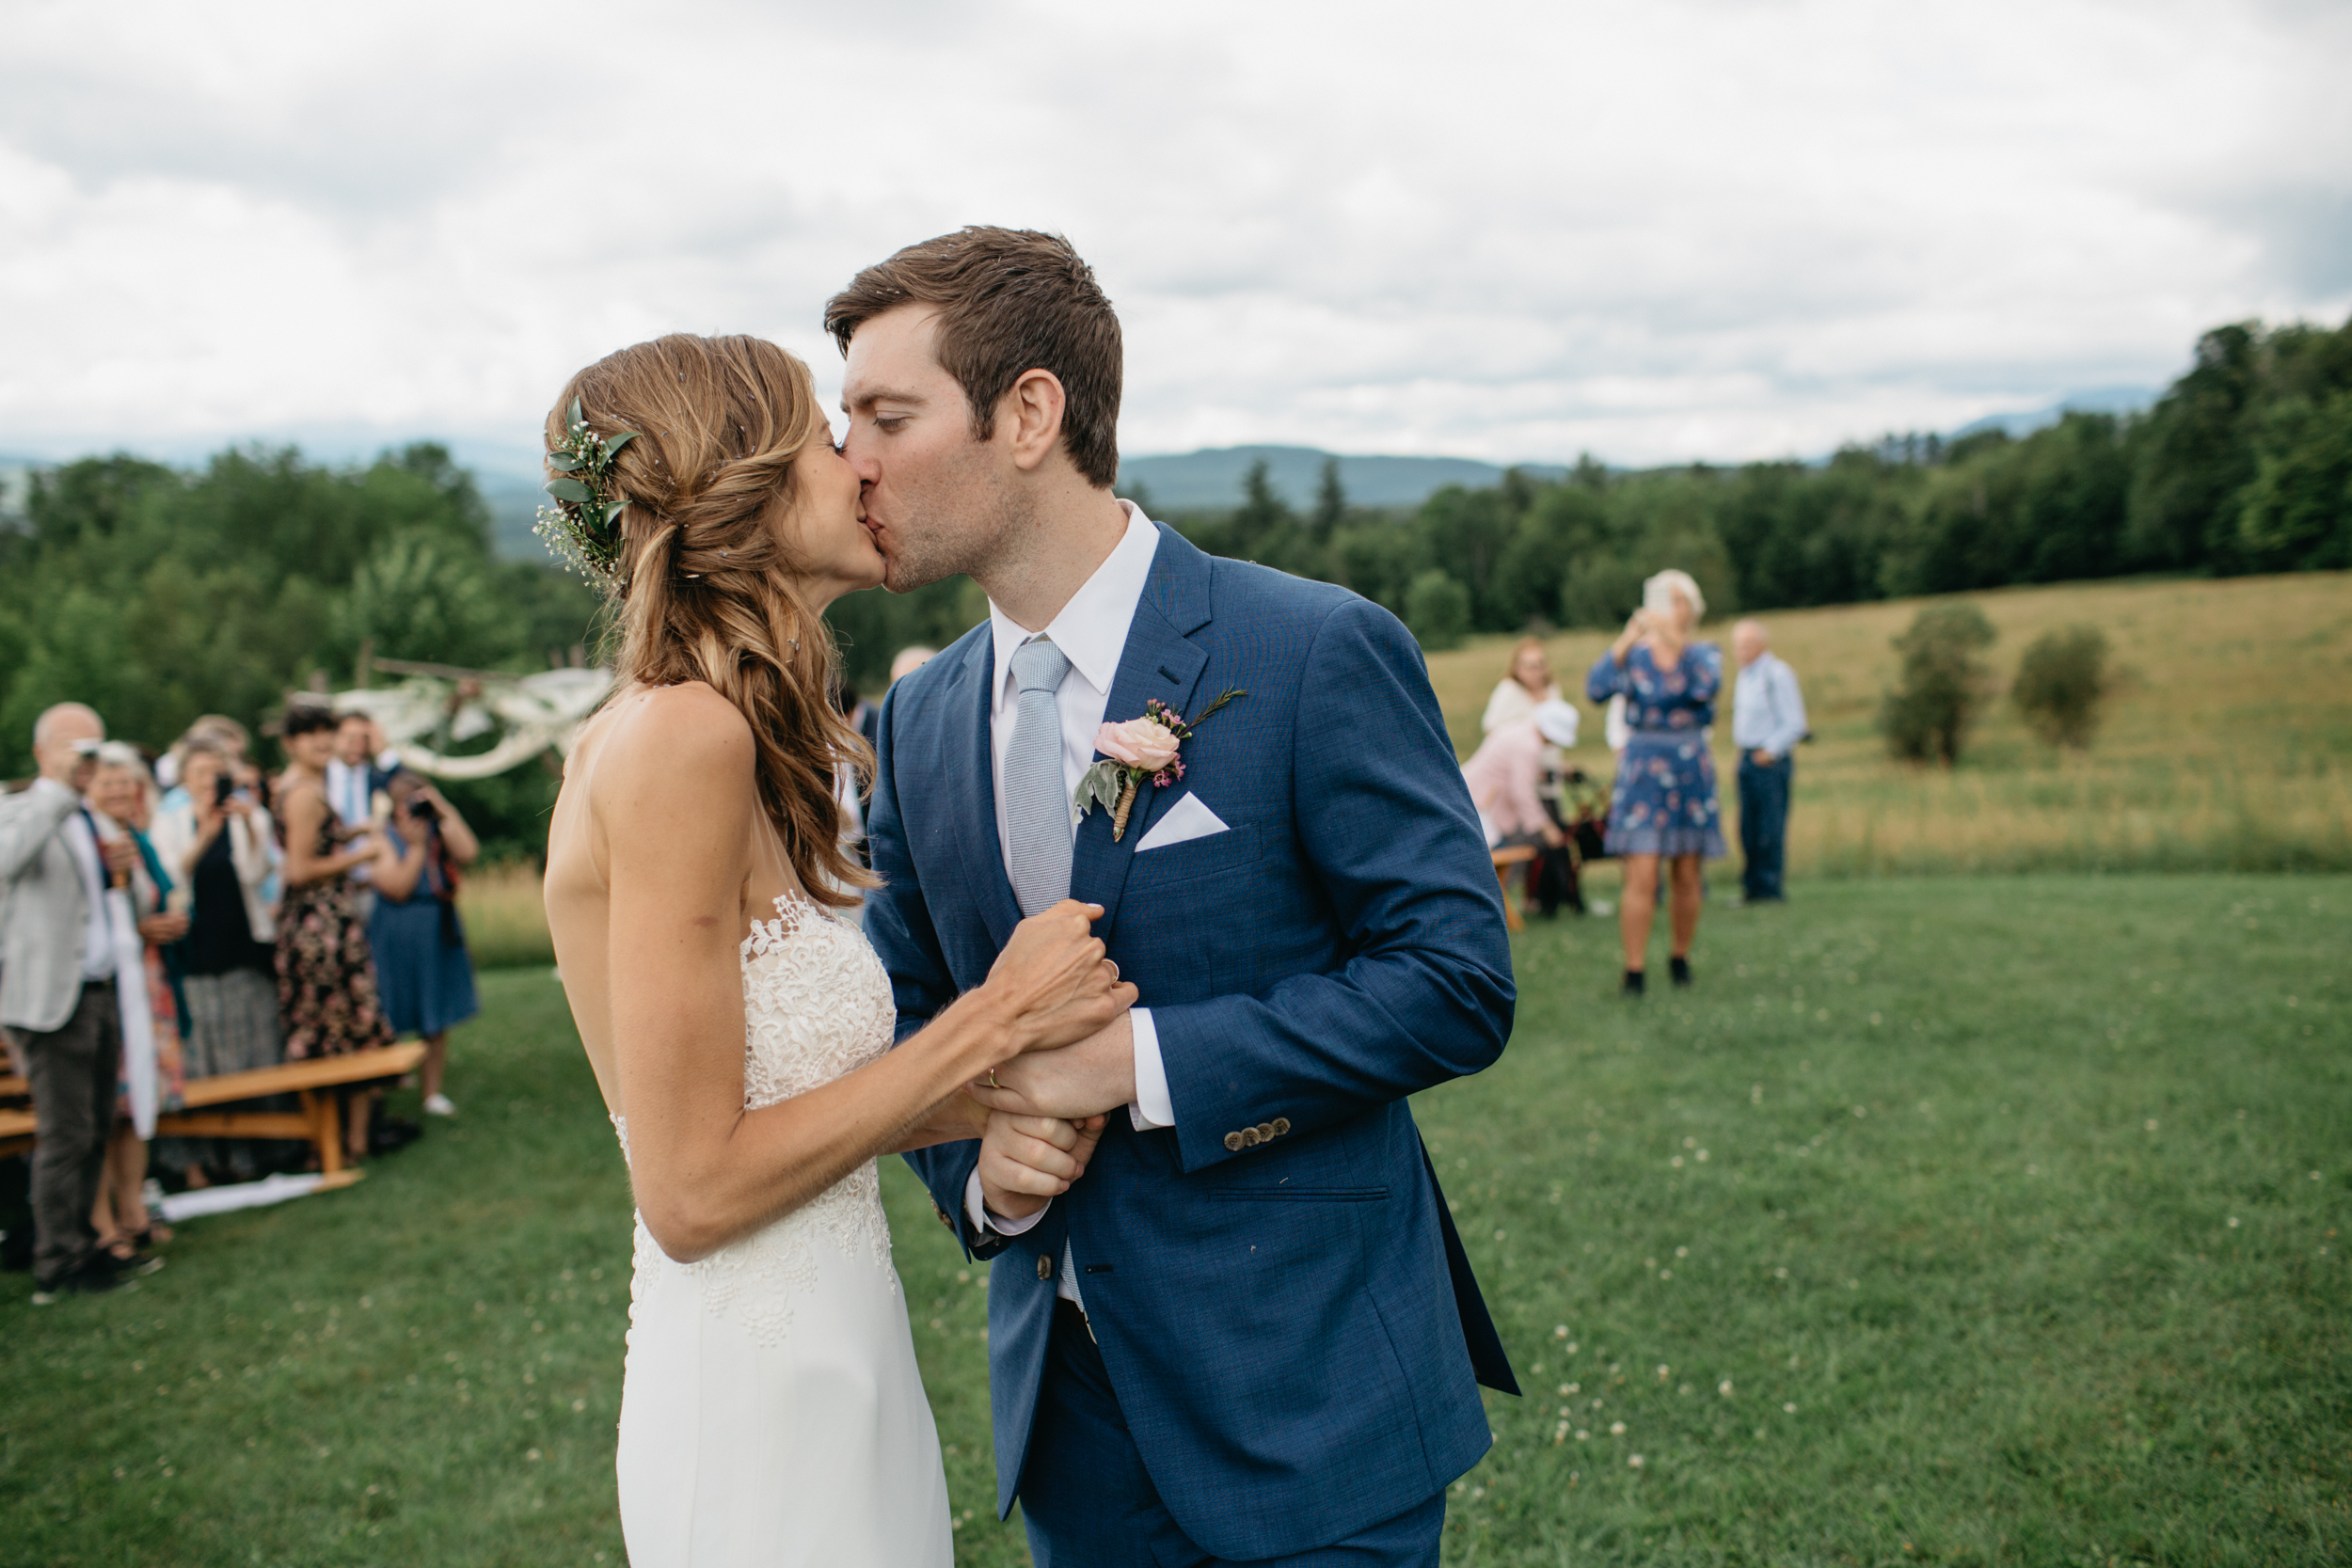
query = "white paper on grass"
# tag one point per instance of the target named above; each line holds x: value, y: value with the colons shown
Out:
x: 245, y: 1195
x: 139, y: 1019
x: 1187, y: 819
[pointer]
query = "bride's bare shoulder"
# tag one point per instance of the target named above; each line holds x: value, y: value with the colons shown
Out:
x: 687, y: 732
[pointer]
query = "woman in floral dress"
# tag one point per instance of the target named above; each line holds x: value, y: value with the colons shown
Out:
x: 326, y: 974
x: 1664, y: 803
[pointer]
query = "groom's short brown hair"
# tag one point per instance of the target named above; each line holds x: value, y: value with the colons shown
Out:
x: 1009, y: 301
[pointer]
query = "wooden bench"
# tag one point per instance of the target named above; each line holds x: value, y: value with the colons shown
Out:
x: 319, y: 1123
x: 13, y: 1087
x: 1520, y: 854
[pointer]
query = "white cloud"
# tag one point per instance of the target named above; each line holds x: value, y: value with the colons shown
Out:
x: 1721, y: 230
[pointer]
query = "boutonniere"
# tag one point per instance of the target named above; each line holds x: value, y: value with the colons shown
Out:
x: 1146, y: 748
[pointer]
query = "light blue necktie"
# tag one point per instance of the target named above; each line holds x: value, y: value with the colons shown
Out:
x: 1036, y: 799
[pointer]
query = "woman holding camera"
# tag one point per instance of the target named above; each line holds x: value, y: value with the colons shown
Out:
x: 216, y: 844
x: 422, y: 972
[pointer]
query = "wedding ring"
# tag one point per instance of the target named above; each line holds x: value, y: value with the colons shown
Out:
x: 991, y: 1080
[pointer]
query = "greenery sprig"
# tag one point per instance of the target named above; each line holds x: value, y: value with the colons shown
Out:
x: 583, y: 527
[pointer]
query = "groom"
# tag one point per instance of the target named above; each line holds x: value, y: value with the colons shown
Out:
x: 1249, y: 1333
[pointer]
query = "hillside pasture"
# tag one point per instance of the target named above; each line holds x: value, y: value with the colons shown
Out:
x: 2227, y: 744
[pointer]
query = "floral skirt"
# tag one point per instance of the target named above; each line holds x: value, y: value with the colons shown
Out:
x: 1665, y: 800
x: 327, y: 975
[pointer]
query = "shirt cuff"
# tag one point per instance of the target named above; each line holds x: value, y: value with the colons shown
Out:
x: 983, y: 1220
x: 1153, y: 1108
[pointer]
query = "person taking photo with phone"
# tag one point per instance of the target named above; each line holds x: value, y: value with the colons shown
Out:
x: 425, y: 977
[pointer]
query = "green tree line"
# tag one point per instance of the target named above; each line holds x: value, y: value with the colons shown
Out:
x: 155, y: 595
x: 2245, y: 465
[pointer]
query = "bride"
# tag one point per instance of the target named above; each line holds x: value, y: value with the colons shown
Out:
x: 740, y: 1026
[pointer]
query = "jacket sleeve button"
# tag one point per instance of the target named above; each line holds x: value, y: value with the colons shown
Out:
x: 1045, y: 1265
x: 1281, y: 1125
x: 1233, y: 1143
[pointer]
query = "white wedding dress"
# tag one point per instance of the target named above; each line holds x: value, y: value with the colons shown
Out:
x: 772, y: 1411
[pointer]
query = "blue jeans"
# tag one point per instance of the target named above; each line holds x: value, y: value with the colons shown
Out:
x: 1088, y: 1502
x: 1764, y: 824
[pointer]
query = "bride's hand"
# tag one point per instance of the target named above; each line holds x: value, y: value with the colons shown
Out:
x: 1026, y: 1162
x: 1053, y: 981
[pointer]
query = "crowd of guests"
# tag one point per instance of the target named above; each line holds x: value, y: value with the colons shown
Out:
x: 1662, y: 814
x: 273, y: 918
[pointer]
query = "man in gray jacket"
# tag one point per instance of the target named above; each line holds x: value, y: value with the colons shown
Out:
x: 57, y: 992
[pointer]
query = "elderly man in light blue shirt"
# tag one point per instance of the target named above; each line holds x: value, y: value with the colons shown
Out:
x: 1767, y: 721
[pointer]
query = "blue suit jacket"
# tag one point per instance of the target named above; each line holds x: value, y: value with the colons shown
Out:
x: 1279, y: 1295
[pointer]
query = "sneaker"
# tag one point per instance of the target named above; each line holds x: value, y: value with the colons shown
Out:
x: 440, y: 1105
x: 1635, y: 984
x: 91, y: 1280
x: 1680, y: 968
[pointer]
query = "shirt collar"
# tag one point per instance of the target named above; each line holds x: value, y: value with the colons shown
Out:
x: 1092, y: 630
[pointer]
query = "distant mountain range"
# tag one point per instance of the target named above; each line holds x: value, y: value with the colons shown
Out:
x: 1196, y: 480
x: 1209, y: 479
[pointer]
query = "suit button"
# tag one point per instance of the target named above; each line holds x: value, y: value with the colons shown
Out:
x: 1281, y: 1125
x: 1045, y: 1265
x: 1266, y: 1131
x: 1234, y: 1142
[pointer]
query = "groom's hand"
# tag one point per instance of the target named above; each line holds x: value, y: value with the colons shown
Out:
x: 1095, y: 1076
x: 1026, y: 1162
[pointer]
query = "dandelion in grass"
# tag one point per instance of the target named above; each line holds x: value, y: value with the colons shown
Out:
x: 1560, y: 1332
x: 1634, y: 1462
x: 1616, y: 1429
x: 1790, y: 1407
x: 1582, y: 1436
x: 1723, y: 1388
x: 2233, y: 1222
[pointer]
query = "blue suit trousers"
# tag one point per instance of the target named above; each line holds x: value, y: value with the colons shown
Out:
x: 1088, y: 1502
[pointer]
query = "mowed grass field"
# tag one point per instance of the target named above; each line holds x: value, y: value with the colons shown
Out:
x: 1947, y: 1220
x: 2228, y: 744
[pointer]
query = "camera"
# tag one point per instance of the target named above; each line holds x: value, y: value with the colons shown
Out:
x: 223, y: 787
x: 423, y: 810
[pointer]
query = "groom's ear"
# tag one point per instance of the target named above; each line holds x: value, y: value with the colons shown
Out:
x: 1030, y: 414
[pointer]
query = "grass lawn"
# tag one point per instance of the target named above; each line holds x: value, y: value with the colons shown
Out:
x: 2227, y: 745
x: 1948, y: 1221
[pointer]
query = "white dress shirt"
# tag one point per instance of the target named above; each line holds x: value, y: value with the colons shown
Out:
x: 349, y: 795
x: 1767, y: 709
x: 1091, y: 632
x: 98, y: 942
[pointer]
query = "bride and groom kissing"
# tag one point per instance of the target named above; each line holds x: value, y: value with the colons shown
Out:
x: 1143, y: 1021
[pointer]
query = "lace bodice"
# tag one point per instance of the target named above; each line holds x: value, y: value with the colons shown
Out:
x: 817, y: 1005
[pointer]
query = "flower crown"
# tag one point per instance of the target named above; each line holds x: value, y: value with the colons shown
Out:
x: 583, y: 527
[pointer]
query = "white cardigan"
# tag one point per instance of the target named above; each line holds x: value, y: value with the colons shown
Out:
x: 252, y: 849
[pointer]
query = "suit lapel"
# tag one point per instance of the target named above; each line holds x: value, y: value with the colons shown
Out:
x: 970, y: 777
x: 1158, y: 661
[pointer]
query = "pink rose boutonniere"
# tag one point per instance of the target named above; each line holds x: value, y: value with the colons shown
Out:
x: 1148, y: 747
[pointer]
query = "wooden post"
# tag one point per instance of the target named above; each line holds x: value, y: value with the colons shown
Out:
x: 327, y: 1132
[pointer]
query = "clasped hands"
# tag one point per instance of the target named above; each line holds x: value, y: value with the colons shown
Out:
x: 1046, y: 1106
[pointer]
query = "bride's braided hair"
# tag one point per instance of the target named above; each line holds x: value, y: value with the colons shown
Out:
x: 704, y: 582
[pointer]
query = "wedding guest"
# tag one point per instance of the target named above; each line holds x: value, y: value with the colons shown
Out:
x: 1507, y: 769
x: 1527, y: 682
x: 119, y: 799
x: 213, y: 729
x: 910, y: 659
x: 1663, y: 806
x: 422, y: 970
x: 1767, y: 721
x: 326, y: 988
x: 355, y: 776
x: 58, y: 994
x: 219, y: 844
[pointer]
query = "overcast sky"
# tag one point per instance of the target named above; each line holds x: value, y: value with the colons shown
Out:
x: 1511, y: 231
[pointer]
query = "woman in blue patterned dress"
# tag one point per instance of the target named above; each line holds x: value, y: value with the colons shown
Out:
x: 1664, y: 802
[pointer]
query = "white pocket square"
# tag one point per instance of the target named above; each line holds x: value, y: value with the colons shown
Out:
x: 1187, y: 819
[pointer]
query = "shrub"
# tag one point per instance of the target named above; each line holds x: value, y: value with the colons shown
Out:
x: 2060, y: 684
x: 1927, y: 717
x: 1436, y: 608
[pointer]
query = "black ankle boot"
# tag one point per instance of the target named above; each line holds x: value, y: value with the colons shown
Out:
x: 1680, y: 970
x: 1634, y: 984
